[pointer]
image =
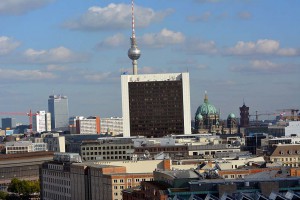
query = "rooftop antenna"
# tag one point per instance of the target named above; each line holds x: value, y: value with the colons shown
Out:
x: 133, y: 53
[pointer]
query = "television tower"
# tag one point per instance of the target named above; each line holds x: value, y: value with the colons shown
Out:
x: 133, y: 53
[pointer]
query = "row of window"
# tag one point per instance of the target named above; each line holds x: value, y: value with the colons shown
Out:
x: 107, y: 158
x: 105, y: 148
x: 104, y: 153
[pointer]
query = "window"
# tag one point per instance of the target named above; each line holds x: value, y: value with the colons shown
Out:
x: 115, y: 180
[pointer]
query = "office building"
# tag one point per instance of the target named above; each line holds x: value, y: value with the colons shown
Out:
x: 111, y: 148
x: 58, y: 107
x: 155, y: 105
x: 90, y: 125
x: 67, y: 178
x: 112, y: 125
x: 54, y: 142
x: 8, y: 123
x: 24, y: 147
x: 41, y: 121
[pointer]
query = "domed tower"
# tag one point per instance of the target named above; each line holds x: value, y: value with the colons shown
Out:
x: 206, y: 116
x: 231, y: 121
x: 133, y: 53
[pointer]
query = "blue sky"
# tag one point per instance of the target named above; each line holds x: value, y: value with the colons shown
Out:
x: 233, y: 49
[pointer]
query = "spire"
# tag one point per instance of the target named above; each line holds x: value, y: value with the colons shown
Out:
x: 132, y: 19
x: 133, y: 53
x: 205, y: 97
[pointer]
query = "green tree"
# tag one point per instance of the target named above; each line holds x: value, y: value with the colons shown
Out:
x: 3, y: 195
x: 23, y: 187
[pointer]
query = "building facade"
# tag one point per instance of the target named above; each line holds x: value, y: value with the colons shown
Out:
x: 58, y: 107
x: 23, y: 166
x: 112, y: 125
x: 65, y: 180
x: 41, y: 121
x: 107, y: 149
x: 8, y: 123
x: 55, y: 142
x: 90, y: 125
x: 244, y: 113
x: 24, y: 147
x: 155, y: 105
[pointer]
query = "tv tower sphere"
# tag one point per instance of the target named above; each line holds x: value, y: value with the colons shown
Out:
x: 134, y: 53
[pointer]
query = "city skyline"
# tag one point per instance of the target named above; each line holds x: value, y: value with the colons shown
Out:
x: 237, y: 50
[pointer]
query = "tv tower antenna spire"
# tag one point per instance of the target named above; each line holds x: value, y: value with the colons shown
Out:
x: 133, y: 53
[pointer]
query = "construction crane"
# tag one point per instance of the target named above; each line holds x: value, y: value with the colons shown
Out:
x: 261, y: 114
x: 29, y: 114
x: 294, y: 113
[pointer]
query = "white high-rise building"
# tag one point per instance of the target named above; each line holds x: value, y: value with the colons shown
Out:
x: 112, y: 125
x: 41, y: 121
x: 155, y: 105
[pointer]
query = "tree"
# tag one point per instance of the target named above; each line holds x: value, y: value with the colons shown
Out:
x: 23, y: 187
x: 3, y: 195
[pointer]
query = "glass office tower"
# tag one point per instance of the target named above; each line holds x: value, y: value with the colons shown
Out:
x: 58, y: 107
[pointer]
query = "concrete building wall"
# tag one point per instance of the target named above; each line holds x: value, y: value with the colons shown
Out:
x: 55, y: 142
x: 293, y: 128
x: 112, y: 125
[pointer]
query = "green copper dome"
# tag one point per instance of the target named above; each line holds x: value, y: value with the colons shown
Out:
x: 199, y: 117
x: 206, y: 108
x: 231, y: 116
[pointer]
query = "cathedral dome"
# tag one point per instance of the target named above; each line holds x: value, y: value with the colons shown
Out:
x: 231, y: 116
x: 206, y: 108
x: 199, y: 117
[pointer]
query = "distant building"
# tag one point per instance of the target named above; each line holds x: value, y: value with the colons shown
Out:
x: 112, y: 125
x: 58, y: 107
x: 287, y: 154
x: 107, y: 149
x: 54, y: 142
x: 155, y: 105
x: 90, y: 125
x: 207, y: 120
x: 8, y: 123
x: 244, y: 113
x: 24, y: 147
x: 41, y: 121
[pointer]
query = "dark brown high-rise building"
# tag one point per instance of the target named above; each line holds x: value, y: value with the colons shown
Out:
x: 155, y: 105
x: 244, y: 112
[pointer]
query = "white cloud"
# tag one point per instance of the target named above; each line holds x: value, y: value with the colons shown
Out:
x: 197, y: 46
x: 266, y: 67
x: 115, y: 16
x: 56, y: 68
x: 16, y: 7
x: 25, y: 75
x: 163, y: 38
x: 113, y: 41
x: 97, y: 77
x: 7, y: 45
x: 55, y: 55
x: 261, y: 47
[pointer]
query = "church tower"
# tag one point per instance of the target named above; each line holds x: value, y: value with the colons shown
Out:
x: 244, y: 112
